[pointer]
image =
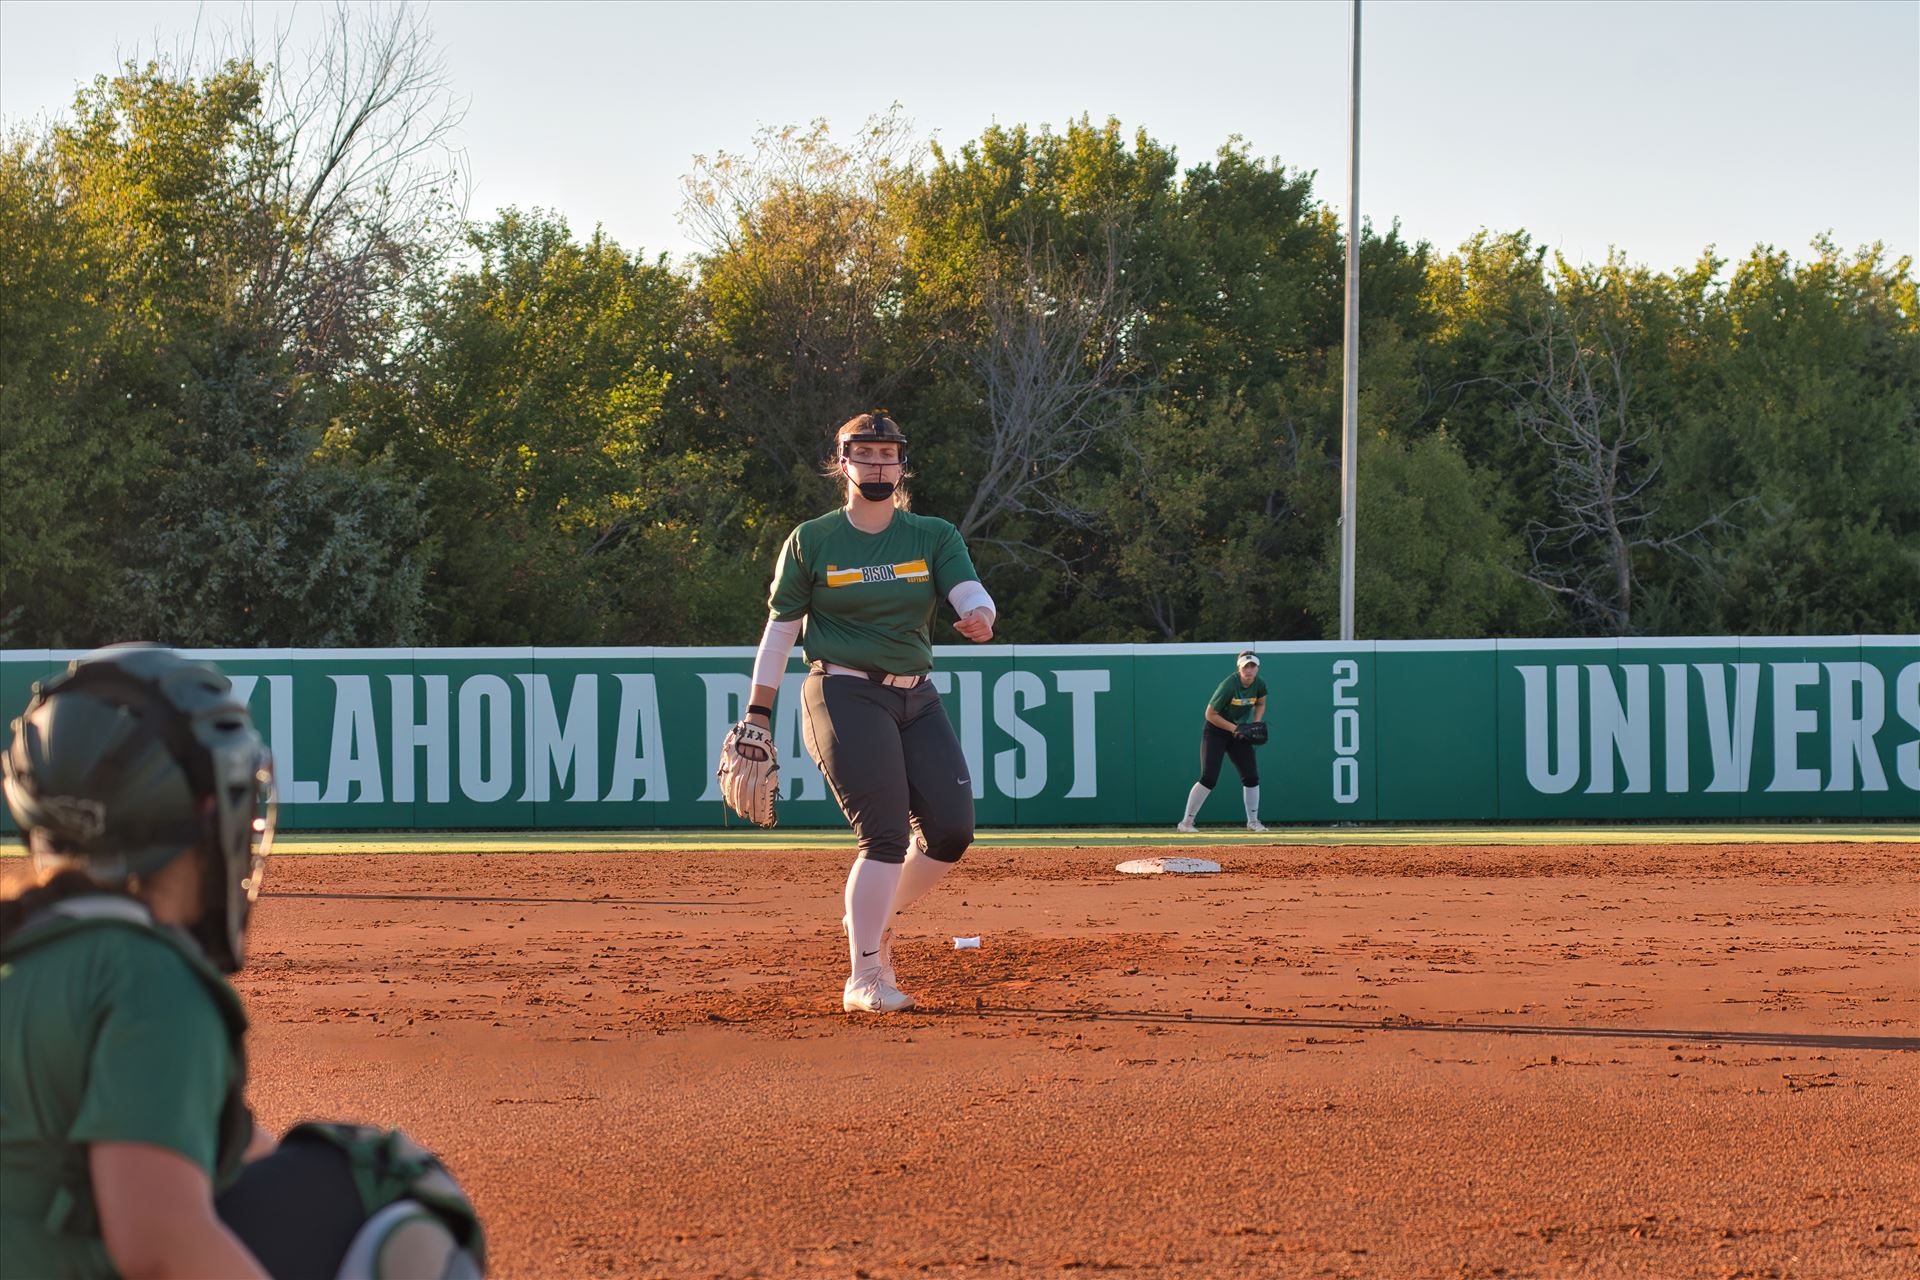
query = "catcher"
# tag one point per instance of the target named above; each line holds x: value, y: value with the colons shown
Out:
x: 867, y: 579
x: 145, y: 798
x: 1235, y: 725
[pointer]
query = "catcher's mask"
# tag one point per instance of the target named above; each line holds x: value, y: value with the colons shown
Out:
x: 133, y: 757
x: 872, y: 428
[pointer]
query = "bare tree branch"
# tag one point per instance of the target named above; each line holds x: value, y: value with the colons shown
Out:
x: 1579, y: 403
x: 1048, y: 365
x: 356, y: 185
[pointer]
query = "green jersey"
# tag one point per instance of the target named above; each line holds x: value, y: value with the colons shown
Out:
x: 109, y: 1032
x: 1234, y: 701
x: 869, y: 598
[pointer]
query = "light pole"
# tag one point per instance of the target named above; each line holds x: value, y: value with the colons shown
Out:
x: 1350, y: 406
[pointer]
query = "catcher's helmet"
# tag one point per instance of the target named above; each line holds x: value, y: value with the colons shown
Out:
x: 135, y: 756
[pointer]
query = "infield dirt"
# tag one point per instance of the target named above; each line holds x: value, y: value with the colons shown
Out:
x: 1664, y: 1061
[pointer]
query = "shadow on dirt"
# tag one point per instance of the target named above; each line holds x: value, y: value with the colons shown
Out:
x: 516, y: 901
x: 1785, y: 1039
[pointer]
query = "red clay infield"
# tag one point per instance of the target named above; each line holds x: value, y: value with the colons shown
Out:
x: 1454, y: 1062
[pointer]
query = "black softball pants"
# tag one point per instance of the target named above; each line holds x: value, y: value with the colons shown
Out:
x: 297, y: 1210
x: 1215, y: 742
x: 893, y: 762
x: 300, y: 1210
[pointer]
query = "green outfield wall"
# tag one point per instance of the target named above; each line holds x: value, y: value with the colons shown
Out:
x: 1394, y: 731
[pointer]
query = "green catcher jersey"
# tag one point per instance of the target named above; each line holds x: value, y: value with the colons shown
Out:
x: 869, y: 598
x: 108, y: 1033
x: 1233, y: 701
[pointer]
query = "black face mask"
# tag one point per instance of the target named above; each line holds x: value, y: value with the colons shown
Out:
x: 876, y: 490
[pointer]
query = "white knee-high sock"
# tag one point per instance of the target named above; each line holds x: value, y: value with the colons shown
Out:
x: 870, y: 887
x: 1196, y: 798
x: 918, y: 875
x: 1252, y: 796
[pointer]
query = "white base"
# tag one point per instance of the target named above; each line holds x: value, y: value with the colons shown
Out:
x: 1168, y: 866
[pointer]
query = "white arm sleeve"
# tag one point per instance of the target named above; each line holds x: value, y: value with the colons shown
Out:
x: 969, y: 596
x: 776, y: 642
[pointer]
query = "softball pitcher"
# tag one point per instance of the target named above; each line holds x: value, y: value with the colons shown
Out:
x: 866, y: 580
x: 1235, y: 725
x: 145, y: 798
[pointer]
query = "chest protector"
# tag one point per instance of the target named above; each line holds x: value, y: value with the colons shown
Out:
x: 73, y: 1209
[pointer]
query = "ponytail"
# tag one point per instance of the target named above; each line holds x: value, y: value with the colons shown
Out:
x: 68, y: 883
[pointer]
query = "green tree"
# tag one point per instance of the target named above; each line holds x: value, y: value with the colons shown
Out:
x: 797, y: 295
x: 1034, y: 260
x: 1486, y: 303
x: 1593, y: 391
x: 250, y: 402
x: 1804, y: 410
x: 69, y: 454
x: 1434, y: 558
x: 531, y: 407
x: 252, y: 540
x: 1190, y: 511
x: 1201, y: 519
x: 146, y: 238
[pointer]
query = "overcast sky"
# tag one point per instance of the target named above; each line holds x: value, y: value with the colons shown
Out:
x: 1659, y: 128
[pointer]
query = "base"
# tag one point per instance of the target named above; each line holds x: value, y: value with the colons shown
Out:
x: 1168, y: 866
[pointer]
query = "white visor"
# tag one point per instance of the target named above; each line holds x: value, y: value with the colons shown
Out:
x: 1249, y: 659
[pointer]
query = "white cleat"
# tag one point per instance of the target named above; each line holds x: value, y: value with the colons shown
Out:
x: 866, y: 993
x: 1186, y: 827
x: 1254, y: 824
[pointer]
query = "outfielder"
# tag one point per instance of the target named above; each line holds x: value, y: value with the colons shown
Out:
x: 866, y: 579
x: 126, y: 1145
x: 1235, y: 725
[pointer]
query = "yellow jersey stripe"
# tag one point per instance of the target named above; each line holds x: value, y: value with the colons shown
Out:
x: 907, y: 571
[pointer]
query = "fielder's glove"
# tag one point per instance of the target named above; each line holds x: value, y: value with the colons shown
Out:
x: 1252, y: 732
x: 749, y: 773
